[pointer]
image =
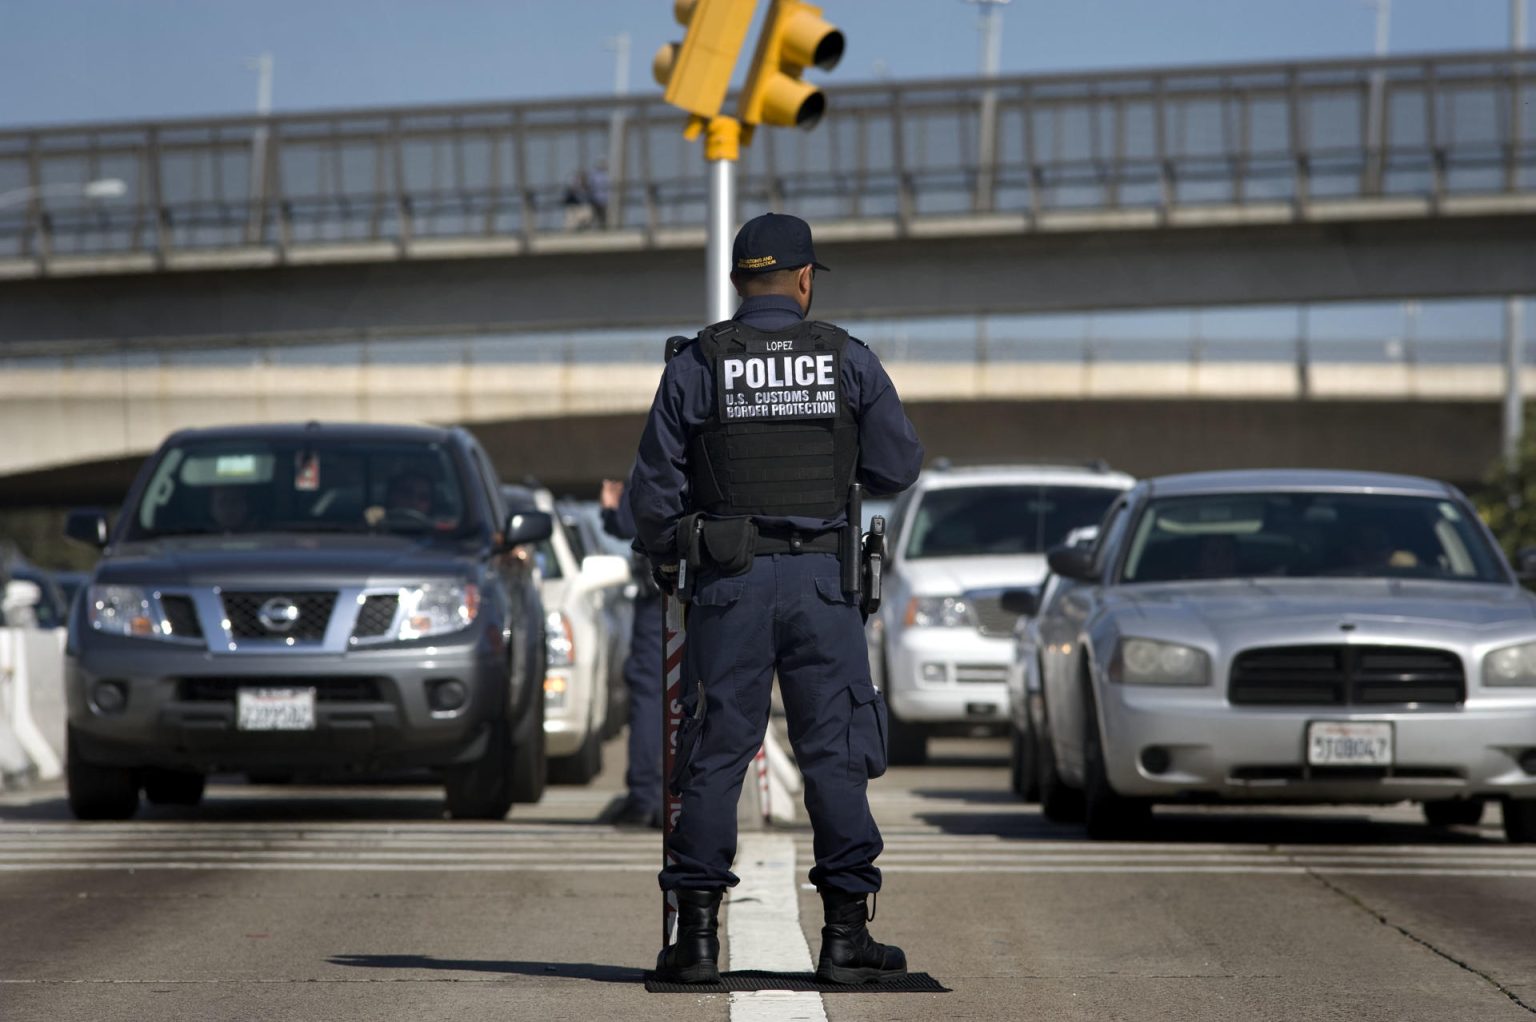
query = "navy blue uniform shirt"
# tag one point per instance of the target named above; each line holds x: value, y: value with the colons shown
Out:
x: 890, y: 455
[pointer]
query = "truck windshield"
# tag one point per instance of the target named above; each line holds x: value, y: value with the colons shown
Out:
x: 977, y: 521
x: 1308, y: 535
x: 236, y: 487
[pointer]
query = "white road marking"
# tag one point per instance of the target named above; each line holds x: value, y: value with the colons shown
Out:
x: 763, y: 928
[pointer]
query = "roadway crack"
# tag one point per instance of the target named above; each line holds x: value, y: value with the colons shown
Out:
x: 1429, y: 945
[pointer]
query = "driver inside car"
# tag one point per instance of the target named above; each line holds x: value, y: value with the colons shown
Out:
x: 409, y: 493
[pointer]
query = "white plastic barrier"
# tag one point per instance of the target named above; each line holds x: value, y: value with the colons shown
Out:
x: 32, y: 711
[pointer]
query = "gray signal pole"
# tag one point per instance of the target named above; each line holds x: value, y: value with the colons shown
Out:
x: 619, y: 44
x: 1514, y: 311
x: 262, y: 65
x: 991, y: 61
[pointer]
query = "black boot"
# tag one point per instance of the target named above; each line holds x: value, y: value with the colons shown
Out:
x: 848, y: 953
x: 695, y: 956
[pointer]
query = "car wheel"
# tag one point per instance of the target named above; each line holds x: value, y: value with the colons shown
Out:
x: 1454, y: 812
x: 1520, y: 820
x: 581, y: 766
x: 906, y: 744
x: 482, y: 790
x: 1021, y: 762
x: 99, y: 792
x: 1059, y: 802
x: 530, y: 758
x: 1108, y: 814
x: 173, y: 787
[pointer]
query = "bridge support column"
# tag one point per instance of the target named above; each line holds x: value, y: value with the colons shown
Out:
x: 1514, y: 395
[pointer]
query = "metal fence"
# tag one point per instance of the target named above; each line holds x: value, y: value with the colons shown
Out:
x: 1429, y: 127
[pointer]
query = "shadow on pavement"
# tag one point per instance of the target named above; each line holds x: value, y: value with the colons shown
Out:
x: 555, y: 970
x: 1174, y: 824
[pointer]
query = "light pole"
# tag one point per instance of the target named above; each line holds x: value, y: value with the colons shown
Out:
x: 1376, y: 113
x: 619, y: 45
x: 1514, y: 311
x: 262, y: 65
x: 991, y: 59
x: 101, y: 188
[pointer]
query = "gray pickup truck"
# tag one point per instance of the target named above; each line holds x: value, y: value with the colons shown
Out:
x: 308, y: 597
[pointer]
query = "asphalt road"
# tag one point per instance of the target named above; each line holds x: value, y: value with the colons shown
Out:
x: 363, y: 903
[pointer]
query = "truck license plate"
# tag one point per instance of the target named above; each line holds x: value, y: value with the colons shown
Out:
x: 1336, y: 743
x: 275, y: 709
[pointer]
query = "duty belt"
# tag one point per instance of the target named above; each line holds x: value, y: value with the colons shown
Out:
x: 793, y: 542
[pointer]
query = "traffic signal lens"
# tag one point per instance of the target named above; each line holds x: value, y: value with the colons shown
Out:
x: 829, y: 51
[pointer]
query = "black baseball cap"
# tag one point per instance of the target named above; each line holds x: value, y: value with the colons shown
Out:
x: 773, y: 241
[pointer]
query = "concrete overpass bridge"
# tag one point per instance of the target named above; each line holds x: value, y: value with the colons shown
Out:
x: 1409, y: 177
x: 571, y: 412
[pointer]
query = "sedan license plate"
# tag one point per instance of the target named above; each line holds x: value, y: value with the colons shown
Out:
x: 1336, y: 743
x: 275, y: 709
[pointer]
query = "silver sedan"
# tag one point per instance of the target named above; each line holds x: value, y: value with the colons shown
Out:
x: 1284, y: 637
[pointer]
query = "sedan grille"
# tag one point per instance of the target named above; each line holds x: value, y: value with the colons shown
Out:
x: 991, y: 618
x: 245, y: 614
x: 1346, y: 676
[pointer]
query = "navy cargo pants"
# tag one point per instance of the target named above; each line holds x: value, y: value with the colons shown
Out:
x: 642, y: 676
x: 787, y: 613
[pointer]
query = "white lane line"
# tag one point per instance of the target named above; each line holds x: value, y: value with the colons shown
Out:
x: 763, y: 928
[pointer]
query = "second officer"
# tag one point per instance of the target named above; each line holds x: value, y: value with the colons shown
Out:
x: 758, y: 430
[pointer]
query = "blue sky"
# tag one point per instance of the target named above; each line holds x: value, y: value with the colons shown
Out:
x: 74, y: 60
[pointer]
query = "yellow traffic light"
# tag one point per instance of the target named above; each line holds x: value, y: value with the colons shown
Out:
x: 697, y: 71
x: 794, y: 38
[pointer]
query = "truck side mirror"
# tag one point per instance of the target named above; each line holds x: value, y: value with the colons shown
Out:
x: 88, y: 526
x: 527, y: 527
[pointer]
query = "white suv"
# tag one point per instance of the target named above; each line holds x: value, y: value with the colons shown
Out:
x: 941, y: 643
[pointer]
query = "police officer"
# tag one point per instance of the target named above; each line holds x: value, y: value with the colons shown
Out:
x: 641, y: 806
x: 762, y: 424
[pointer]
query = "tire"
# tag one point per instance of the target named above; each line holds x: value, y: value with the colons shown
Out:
x: 906, y: 744
x: 1520, y: 820
x: 483, y: 790
x: 1023, y: 769
x: 581, y: 766
x: 530, y: 758
x: 1059, y: 802
x: 99, y: 792
x: 1108, y: 814
x: 174, y: 787
x: 1454, y: 812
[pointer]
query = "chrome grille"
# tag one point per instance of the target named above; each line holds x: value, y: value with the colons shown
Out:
x: 243, y: 612
x: 1346, y: 676
x: 991, y: 619
x: 980, y: 674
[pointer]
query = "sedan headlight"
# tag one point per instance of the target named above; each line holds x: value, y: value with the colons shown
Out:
x: 939, y: 612
x: 1510, y: 666
x: 1149, y: 662
x: 125, y: 610
x: 438, y: 608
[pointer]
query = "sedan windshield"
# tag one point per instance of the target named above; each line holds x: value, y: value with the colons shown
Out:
x: 1308, y: 535
x: 977, y: 521
x: 235, y: 487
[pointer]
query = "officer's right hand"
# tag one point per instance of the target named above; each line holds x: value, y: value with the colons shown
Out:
x: 665, y: 576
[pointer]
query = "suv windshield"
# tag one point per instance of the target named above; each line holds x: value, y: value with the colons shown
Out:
x: 1308, y: 535
x: 975, y: 521
x: 235, y: 487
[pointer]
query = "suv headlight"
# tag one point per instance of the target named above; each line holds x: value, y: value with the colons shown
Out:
x: 125, y: 610
x: 1149, y: 662
x: 559, y: 643
x: 1510, y: 666
x: 438, y: 608
x: 939, y: 612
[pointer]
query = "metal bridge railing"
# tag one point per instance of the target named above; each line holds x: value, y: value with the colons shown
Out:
x: 1293, y: 134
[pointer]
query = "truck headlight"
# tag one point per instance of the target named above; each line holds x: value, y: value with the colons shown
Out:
x: 1512, y: 665
x: 559, y: 643
x: 125, y: 610
x: 939, y: 612
x: 1149, y: 662
x: 438, y: 608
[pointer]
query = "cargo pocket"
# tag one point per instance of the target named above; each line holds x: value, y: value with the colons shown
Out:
x: 867, y: 728
x: 717, y: 591
x: 688, y: 734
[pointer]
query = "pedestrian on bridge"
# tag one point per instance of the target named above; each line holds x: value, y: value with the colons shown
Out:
x: 759, y: 428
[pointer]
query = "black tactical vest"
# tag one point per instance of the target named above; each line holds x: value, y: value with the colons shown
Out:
x: 782, y: 441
